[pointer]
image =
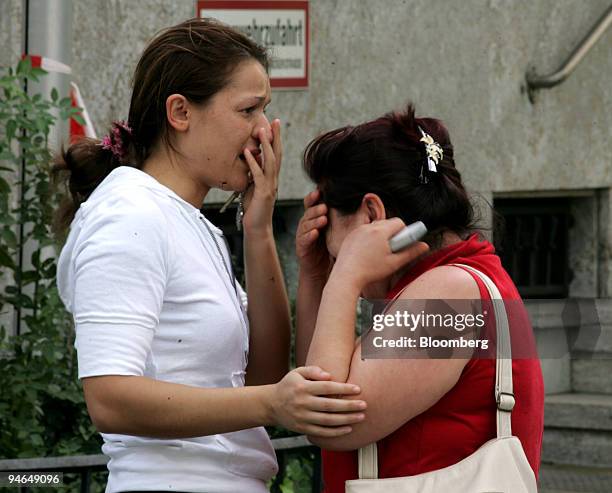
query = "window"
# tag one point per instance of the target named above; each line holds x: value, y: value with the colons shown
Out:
x: 531, y: 237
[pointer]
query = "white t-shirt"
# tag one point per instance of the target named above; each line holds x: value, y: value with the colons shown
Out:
x: 150, y: 296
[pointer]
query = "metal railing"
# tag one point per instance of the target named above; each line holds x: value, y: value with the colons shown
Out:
x: 535, y: 82
x: 85, y: 465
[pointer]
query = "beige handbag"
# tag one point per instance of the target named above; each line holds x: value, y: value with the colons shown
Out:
x: 499, y: 466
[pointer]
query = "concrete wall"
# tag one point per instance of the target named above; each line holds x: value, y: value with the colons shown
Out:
x: 464, y: 62
x: 11, y: 31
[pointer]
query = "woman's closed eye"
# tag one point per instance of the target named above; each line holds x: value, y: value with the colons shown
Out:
x: 251, y: 109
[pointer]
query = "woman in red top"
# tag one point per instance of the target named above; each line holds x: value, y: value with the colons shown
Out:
x: 425, y: 414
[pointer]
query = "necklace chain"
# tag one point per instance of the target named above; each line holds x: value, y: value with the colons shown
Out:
x: 230, y: 274
x: 230, y: 270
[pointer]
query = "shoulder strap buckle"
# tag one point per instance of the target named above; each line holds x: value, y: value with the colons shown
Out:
x: 505, y: 401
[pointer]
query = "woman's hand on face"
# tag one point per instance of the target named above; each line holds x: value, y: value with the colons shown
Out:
x: 303, y: 401
x: 365, y: 255
x: 309, y: 245
x: 260, y: 196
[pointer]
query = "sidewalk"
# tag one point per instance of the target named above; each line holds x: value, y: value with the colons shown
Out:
x: 568, y: 479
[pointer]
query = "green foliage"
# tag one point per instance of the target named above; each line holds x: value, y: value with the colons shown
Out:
x: 42, y: 410
x: 299, y: 472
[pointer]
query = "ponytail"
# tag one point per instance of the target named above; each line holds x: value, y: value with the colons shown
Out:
x: 78, y: 170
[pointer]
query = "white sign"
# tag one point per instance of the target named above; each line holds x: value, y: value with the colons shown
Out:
x: 280, y: 26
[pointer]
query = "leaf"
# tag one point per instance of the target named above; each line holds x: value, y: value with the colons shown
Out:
x: 79, y: 119
x: 38, y: 72
x: 24, y: 66
x: 35, y: 258
x: 55, y: 389
x: 54, y: 95
x: 29, y: 277
x: 9, y: 236
x: 25, y: 301
x: 11, y: 128
x: 6, y: 260
x: 65, y: 102
x: 5, y: 188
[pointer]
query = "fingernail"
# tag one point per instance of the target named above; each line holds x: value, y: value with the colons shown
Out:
x: 361, y: 416
x: 356, y: 389
x: 362, y: 405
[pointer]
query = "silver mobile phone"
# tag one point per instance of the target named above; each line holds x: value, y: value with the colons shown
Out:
x: 407, y: 236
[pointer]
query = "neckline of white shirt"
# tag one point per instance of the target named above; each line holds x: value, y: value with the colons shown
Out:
x: 150, y: 182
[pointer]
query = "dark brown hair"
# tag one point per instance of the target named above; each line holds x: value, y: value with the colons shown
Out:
x: 385, y: 157
x: 196, y: 59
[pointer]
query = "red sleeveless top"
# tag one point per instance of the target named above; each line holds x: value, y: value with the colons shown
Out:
x: 465, y: 418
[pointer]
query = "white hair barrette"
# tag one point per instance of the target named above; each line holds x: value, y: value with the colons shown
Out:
x: 433, y: 149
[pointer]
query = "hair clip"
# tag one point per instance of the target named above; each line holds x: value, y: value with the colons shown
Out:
x: 433, y: 149
x: 113, y: 141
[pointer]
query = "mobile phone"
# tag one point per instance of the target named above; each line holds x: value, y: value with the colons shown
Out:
x: 407, y: 236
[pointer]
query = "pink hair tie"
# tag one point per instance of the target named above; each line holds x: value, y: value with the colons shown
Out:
x: 113, y: 141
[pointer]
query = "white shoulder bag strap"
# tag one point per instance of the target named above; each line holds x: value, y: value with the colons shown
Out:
x: 504, y: 396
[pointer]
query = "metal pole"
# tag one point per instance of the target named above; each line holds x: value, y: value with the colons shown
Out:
x: 48, y: 33
x: 541, y: 82
x: 85, y: 481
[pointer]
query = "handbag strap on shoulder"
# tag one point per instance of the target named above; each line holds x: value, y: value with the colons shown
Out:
x: 504, y: 396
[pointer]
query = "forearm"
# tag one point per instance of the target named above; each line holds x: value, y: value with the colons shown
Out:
x: 333, y: 341
x: 269, y: 315
x: 308, y: 300
x: 146, y: 407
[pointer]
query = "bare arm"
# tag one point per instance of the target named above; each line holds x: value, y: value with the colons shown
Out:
x: 333, y: 348
x: 309, y: 295
x: 146, y: 407
x: 268, y: 312
x: 269, y: 315
x: 142, y: 406
x: 314, y: 271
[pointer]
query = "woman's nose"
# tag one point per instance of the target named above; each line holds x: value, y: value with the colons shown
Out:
x: 263, y: 122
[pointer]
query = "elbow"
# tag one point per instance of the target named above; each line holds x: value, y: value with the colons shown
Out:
x: 101, y: 419
x: 101, y: 411
x: 102, y: 426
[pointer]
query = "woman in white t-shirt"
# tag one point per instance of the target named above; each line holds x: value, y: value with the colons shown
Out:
x: 179, y: 373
